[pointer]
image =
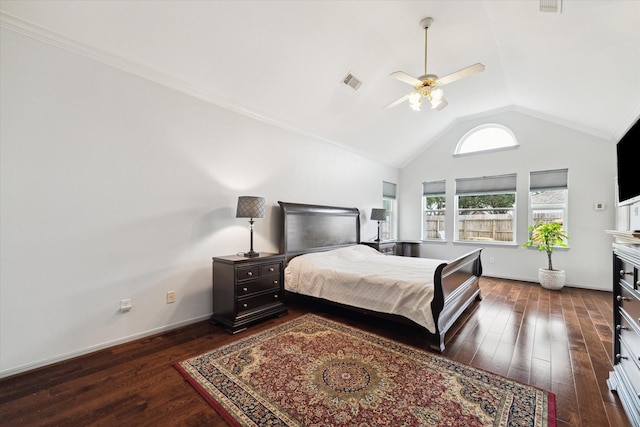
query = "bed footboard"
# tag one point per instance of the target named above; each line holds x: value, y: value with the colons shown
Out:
x: 456, y: 285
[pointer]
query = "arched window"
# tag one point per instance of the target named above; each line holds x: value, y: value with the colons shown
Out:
x: 488, y: 137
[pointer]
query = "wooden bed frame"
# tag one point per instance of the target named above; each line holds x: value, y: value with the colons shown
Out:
x: 314, y: 228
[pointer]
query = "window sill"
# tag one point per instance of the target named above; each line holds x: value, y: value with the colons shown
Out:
x: 485, y: 242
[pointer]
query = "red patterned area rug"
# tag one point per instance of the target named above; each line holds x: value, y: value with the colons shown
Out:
x: 311, y: 371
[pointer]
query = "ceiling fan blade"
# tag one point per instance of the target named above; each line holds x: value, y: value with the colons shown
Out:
x: 404, y: 77
x: 399, y: 101
x: 460, y: 74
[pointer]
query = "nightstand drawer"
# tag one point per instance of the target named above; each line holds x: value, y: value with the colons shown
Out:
x: 258, y: 301
x: 388, y: 248
x: 258, y: 285
x: 270, y: 269
x: 247, y: 273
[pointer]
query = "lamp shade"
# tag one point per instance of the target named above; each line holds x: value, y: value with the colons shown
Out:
x: 378, y: 214
x: 251, y: 207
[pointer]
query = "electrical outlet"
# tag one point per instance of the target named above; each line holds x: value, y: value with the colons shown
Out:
x: 171, y: 297
x: 125, y: 305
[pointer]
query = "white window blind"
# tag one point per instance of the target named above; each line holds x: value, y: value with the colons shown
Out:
x: 433, y: 188
x: 548, y: 180
x: 388, y: 190
x: 486, y: 184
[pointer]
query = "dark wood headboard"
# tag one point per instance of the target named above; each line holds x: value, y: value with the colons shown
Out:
x: 313, y: 228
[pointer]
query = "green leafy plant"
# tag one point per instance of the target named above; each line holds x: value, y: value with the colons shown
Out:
x: 547, y: 236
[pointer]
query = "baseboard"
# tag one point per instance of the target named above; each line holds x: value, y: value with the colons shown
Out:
x: 61, y: 358
x: 568, y: 285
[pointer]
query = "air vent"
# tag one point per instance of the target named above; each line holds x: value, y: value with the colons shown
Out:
x: 351, y: 81
x: 553, y: 6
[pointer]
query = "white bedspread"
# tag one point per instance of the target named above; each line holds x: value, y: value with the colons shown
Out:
x: 362, y: 277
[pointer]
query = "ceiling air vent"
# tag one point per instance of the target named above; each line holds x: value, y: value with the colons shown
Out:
x: 351, y: 81
x: 553, y: 6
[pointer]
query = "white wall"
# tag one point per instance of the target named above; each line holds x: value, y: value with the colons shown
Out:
x: 543, y: 145
x: 114, y: 187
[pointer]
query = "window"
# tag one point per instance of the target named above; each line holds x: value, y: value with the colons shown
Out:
x: 548, y: 196
x: 486, y: 209
x: 489, y: 137
x: 388, y: 228
x: 434, y: 204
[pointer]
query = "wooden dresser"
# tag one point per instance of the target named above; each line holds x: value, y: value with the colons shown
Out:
x: 246, y: 290
x: 625, y: 377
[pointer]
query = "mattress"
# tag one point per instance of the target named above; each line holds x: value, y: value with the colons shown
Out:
x: 360, y: 276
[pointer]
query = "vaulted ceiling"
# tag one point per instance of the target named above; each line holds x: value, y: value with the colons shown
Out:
x: 284, y: 61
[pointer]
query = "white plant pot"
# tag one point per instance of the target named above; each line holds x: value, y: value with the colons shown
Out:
x: 551, y: 279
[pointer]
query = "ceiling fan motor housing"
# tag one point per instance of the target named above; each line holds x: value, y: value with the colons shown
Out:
x: 426, y: 23
x: 428, y: 80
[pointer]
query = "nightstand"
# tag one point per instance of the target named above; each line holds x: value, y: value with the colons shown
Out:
x: 385, y: 247
x: 246, y: 290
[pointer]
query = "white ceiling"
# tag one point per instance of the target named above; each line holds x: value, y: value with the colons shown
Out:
x: 283, y: 61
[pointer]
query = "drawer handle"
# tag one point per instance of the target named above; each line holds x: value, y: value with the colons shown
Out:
x: 621, y: 328
x: 245, y: 289
x: 621, y: 298
x: 276, y: 296
x: 249, y: 273
x: 626, y: 273
x: 275, y: 282
x: 620, y: 357
x: 245, y: 305
x: 271, y: 269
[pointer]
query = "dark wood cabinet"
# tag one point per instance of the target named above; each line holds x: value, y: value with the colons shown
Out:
x: 408, y: 248
x: 387, y: 248
x: 247, y: 290
x: 625, y: 377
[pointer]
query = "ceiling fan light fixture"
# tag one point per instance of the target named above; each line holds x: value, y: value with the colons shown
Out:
x: 436, y: 95
x: 415, y: 101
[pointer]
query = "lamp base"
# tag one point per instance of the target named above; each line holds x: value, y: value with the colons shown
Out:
x: 251, y: 254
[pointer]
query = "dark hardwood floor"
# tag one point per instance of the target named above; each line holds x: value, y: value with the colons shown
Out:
x: 559, y: 341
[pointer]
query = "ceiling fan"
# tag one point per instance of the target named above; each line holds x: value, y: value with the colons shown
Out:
x: 428, y: 85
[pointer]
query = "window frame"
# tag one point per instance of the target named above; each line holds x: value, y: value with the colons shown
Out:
x: 434, y: 189
x: 388, y: 229
x: 557, y: 180
x: 487, y: 186
x: 473, y: 132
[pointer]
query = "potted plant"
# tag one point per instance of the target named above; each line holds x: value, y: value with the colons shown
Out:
x: 547, y: 236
